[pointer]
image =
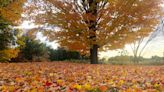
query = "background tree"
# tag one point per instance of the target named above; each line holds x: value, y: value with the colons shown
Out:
x: 6, y: 35
x: 62, y: 54
x: 34, y: 50
x: 143, y: 41
x: 163, y: 55
x: 7, y: 41
x: 156, y: 58
x: 11, y: 42
x: 10, y: 12
x: 93, y: 25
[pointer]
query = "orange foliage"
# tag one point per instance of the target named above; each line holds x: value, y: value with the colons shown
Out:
x: 110, y: 24
x: 12, y: 11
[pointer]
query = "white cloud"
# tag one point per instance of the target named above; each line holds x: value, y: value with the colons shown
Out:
x: 43, y: 39
x: 27, y: 25
x: 162, y: 5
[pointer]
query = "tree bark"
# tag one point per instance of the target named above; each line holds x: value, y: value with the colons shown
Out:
x: 92, y: 28
x: 94, y: 55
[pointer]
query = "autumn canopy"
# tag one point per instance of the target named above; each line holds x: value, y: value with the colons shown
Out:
x: 91, y: 25
x: 10, y: 14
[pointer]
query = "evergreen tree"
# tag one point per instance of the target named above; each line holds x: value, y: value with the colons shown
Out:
x: 33, y: 50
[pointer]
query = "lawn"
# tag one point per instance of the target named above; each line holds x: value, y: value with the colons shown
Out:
x: 77, y: 77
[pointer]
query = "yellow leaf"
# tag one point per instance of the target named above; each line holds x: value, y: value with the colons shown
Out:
x: 121, y: 82
x: 11, y: 88
x: 34, y: 90
x: 78, y: 87
x: 156, y: 85
x: 87, y: 86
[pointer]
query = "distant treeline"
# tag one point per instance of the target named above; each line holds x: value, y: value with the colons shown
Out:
x: 15, y: 48
x: 33, y: 50
x: 124, y: 59
x: 61, y: 54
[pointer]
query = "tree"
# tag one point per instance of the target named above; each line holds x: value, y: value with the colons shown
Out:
x: 92, y: 25
x: 140, y: 44
x: 6, y: 35
x: 123, y: 52
x: 163, y: 55
x: 162, y: 26
x: 62, y: 54
x: 57, y: 55
x: 7, y: 40
x: 156, y: 58
x: 33, y: 50
x: 10, y: 12
x: 10, y: 40
x: 143, y: 40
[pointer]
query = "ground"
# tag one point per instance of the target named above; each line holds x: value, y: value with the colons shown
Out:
x: 75, y: 77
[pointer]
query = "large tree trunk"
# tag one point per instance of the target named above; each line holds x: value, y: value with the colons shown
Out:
x: 92, y: 27
x: 94, y: 55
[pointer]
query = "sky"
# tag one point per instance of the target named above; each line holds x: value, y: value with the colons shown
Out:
x: 155, y: 47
